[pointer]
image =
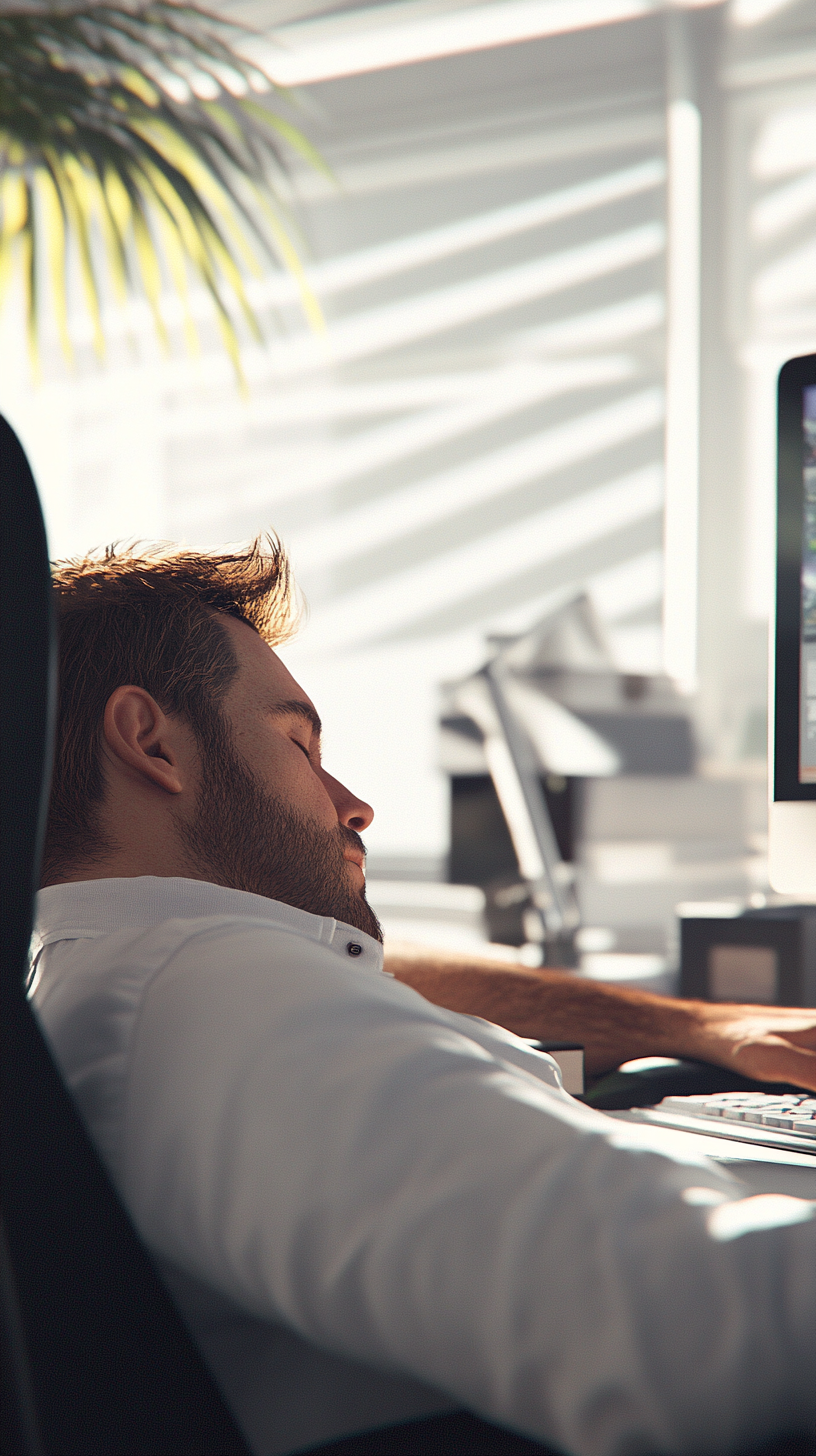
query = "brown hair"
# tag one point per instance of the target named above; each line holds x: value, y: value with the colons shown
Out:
x: 150, y: 619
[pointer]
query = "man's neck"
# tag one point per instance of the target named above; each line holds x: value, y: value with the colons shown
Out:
x: 125, y: 866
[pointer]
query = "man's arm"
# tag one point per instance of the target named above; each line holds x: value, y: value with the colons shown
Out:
x: 771, y: 1043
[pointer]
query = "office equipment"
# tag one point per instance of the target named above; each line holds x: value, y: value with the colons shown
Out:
x: 766, y: 956
x: 647, y: 842
x: 786, y: 1120
x: 763, y: 1160
x: 792, y: 818
x: 547, y: 713
x: 693, y: 1109
x: 645, y: 1081
x: 611, y: 759
x: 550, y: 916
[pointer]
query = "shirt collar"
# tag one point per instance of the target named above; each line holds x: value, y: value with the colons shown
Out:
x: 101, y: 907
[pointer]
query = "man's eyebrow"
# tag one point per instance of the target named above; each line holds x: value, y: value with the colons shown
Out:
x: 300, y: 709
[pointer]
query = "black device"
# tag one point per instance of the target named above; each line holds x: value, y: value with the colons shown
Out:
x: 765, y: 956
x: 482, y: 850
x: 792, y: 818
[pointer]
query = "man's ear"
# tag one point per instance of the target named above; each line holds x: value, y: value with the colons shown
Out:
x: 141, y: 738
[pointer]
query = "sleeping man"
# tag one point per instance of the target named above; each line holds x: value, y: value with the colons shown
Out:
x: 371, y: 1199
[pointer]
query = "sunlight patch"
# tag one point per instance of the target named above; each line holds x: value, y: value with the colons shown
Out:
x: 765, y: 1211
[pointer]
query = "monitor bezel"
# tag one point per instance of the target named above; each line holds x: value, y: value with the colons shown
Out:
x: 794, y: 376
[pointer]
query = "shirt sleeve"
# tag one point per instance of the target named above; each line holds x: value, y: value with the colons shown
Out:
x: 325, y: 1147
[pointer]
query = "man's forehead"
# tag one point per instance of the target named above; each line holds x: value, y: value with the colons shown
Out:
x: 261, y: 670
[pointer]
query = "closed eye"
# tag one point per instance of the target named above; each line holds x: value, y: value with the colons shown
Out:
x: 304, y: 714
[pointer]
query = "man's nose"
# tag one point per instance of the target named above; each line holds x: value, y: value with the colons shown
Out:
x: 352, y: 812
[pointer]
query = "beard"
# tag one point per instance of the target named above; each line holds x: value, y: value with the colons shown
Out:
x: 242, y: 837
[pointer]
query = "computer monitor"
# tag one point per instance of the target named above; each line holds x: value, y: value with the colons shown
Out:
x: 792, y: 817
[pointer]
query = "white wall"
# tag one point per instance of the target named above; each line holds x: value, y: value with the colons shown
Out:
x: 480, y: 432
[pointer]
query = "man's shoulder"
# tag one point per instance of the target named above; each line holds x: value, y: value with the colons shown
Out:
x: 94, y: 972
x: 89, y: 967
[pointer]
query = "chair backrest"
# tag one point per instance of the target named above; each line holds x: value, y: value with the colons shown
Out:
x: 96, y: 1358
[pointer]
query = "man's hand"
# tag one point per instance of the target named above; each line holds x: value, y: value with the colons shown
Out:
x: 771, y: 1043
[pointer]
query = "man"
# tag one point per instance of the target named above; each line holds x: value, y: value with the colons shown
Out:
x: 370, y: 1206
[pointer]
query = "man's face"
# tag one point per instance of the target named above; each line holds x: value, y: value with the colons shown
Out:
x: 269, y: 818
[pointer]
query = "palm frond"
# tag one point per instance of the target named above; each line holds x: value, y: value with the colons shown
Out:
x: 134, y: 131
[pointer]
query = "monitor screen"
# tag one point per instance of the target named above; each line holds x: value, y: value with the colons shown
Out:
x: 792, y: 810
x: 794, y: 677
x: 807, y: 672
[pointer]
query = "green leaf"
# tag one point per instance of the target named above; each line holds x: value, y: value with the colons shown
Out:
x: 106, y: 151
x: 292, y: 134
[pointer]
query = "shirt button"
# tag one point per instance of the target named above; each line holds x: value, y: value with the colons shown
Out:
x: 354, y: 948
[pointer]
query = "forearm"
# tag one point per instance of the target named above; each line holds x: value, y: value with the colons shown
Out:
x: 612, y: 1025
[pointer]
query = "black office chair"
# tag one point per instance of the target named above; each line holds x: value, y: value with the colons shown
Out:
x: 96, y: 1360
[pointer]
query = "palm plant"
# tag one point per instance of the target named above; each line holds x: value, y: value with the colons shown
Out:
x: 135, y: 131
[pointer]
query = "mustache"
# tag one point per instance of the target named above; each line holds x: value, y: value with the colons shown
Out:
x: 351, y: 837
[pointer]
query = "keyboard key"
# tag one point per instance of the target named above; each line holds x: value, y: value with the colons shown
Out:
x: 793, y: 1113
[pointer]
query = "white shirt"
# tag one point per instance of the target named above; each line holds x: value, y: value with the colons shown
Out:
x: 369, y: 1208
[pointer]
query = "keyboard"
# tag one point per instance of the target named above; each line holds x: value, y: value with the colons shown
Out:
x: 776, y: 1121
